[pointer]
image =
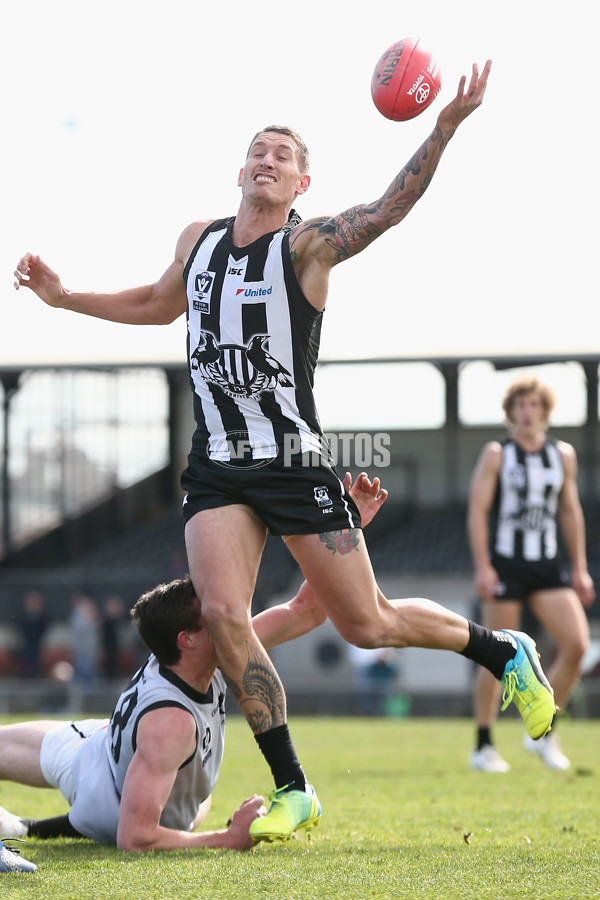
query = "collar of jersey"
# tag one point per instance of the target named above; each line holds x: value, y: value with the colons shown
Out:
x: 184, y: 687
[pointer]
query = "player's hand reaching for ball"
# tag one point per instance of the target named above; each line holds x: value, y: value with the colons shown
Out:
x: 33, y: 273
x: 467, y: 99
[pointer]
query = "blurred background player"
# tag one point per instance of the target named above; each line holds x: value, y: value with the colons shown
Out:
x: 522, y: 489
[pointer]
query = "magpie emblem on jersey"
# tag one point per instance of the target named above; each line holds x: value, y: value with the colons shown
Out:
x: 202, y: 287
x: 239, y: 371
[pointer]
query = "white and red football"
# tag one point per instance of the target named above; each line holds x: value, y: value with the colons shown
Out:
x: 406, y: 80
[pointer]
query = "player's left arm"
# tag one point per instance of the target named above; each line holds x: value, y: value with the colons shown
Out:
x: 319, y: 244
x: 573, y: 526
x: 304, y: 612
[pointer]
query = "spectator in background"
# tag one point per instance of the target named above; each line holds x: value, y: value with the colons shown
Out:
x: 84, y: 625
x: 113, y: 614
x: 376, y: 672
x: 32, y: 623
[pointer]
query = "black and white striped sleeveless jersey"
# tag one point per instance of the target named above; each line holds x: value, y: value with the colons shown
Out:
x: 526, y: 502
x: 100, y: 767
x: 253, y: 342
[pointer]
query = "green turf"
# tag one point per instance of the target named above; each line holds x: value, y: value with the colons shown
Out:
x: 403, y: 816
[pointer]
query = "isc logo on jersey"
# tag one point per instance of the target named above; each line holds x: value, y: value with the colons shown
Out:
x: 203, y: 283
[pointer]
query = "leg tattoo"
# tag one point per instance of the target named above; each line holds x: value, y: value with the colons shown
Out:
x: 261, y: 696
x: 341, y: 542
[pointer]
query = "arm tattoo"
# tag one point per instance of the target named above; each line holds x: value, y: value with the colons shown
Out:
x: 347, y: 234
x: 341, y: 542
x: 351, y: 231
x: 262, y: 688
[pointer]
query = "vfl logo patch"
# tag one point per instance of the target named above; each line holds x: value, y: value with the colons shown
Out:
x: 239, y: 371
x: 516, y: 476
x: 323, y: 499
x: 202, y: 287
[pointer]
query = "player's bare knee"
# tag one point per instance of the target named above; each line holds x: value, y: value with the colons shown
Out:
x: 220, y: 614
x: 577, y: 649
x: 367, y: 635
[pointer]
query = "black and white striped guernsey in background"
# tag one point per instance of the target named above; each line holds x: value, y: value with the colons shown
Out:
x: 253, y: 341
x: 526, y: 503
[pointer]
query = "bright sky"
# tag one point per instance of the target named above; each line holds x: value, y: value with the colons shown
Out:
x: 124, y: 121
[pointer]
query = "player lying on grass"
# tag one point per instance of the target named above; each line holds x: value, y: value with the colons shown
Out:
x: 143, y: 779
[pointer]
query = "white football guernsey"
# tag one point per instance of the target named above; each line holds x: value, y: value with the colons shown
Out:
x: 99, y: 768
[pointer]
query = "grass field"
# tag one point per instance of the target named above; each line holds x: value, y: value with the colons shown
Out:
x: 403, y: 816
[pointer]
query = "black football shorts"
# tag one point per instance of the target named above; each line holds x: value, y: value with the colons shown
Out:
x: 520, y: 578
x: 289, y: 499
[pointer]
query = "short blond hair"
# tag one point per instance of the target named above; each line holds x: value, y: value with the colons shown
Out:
x: 303, y: 155
x: 523, y: 386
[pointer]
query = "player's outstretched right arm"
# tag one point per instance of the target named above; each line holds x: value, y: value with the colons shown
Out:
x: 319, y: 244
x: 152, y: 304
x: 133, y: 306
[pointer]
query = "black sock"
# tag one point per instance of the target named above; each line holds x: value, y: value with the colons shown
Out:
x: 59, y: 826
x: 278, y: 750
x: 484, y: 736
x: 491, y: 649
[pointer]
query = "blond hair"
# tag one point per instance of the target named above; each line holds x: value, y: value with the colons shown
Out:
x: 303, y: 155
x: 523, y: 386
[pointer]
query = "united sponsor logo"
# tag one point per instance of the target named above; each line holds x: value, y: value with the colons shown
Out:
x: 253, y: 293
